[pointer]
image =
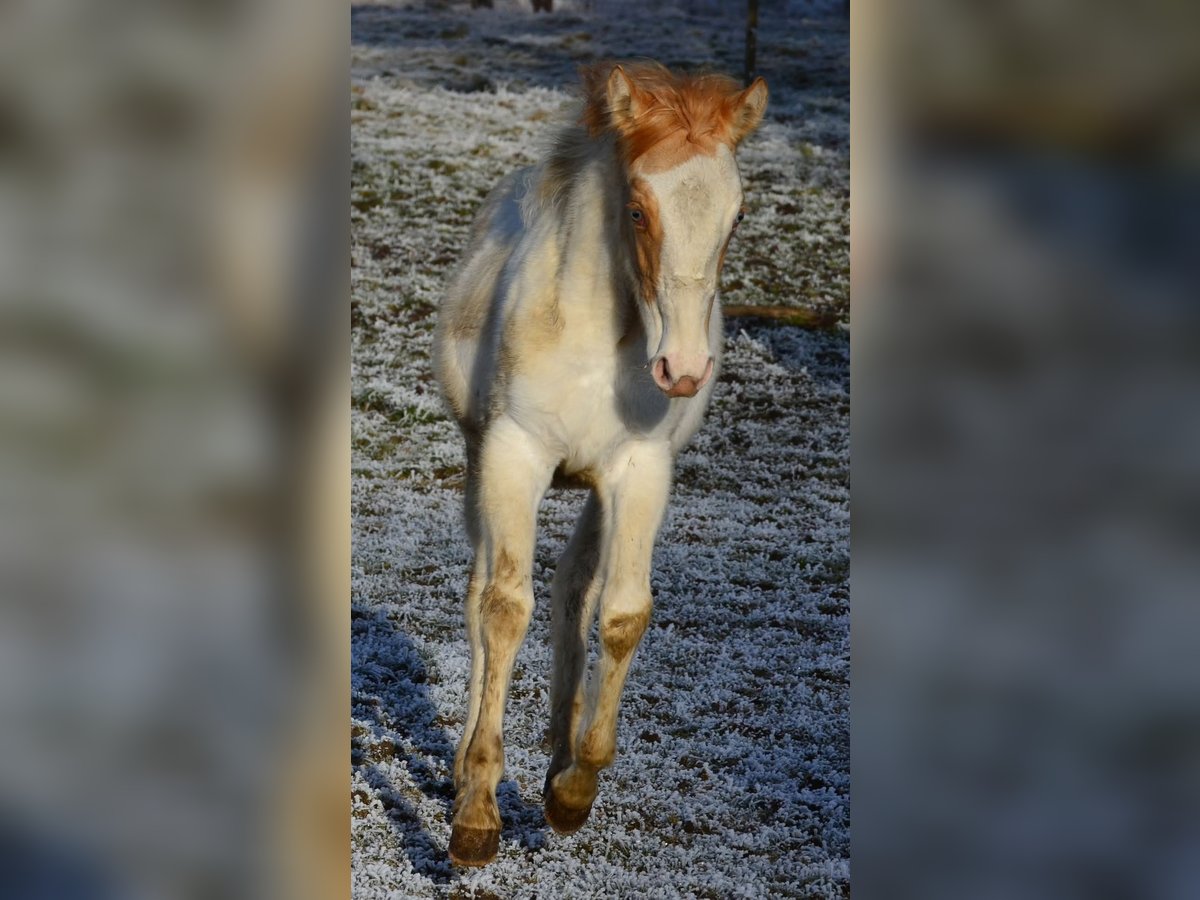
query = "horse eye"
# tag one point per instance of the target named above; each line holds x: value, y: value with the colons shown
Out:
x: 636, y: 215
x: 741, y: 215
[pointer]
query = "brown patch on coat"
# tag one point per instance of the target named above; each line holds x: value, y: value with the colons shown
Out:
x: 663, y: 118
x: 464, y: 328
x: 505, y: 611
x: 504, y: 615
x: 504, y: 570
x: 534, y: 331
x: 595, y: 751
x: 485, y: 752
x: 544, y: 318
x: 621, y: 634
x: 648, y: 238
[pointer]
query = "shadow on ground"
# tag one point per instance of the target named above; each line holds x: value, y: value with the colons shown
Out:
x: 404, y: 752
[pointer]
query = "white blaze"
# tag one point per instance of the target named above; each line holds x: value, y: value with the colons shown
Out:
x: 698, y: 201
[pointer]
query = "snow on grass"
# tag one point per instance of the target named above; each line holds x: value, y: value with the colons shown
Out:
x: 732, y: 774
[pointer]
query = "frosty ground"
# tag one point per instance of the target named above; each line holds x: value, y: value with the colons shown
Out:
x: 732, y: 774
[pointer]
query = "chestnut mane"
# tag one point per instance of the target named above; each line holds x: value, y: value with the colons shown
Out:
x: 681, y: 108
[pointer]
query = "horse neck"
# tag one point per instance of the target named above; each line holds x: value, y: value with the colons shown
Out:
x: 600, y: 194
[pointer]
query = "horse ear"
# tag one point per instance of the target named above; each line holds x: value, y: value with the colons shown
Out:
x: 747, y: 110
x: 626, y: 101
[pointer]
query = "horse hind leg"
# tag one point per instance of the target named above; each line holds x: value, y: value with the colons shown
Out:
x: 472, y: 614
x: 574, y: 592
x: 475, y: 586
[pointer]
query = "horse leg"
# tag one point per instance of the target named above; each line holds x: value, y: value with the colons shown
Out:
x: 472, y: 613
x: 513, y: 476
x: 471, y: 610
x: 634, y: 499
x: 574, y: 592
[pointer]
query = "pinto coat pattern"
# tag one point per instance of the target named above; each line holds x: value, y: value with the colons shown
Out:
x: 577, y: 346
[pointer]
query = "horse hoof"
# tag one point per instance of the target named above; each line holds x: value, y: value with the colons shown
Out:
x: 473, y: 846
x: 564, y: 819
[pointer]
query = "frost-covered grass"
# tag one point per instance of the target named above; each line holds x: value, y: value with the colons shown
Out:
x: 732, y: 775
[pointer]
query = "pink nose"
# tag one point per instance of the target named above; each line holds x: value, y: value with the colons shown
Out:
x: 684, y: 385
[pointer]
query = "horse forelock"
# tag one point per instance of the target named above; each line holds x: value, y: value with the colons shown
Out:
x: 683, y: 115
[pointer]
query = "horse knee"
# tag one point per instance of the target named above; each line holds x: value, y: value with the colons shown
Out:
x: 505, y: 615
x: 485, y: 753
x: 505, y: 605
x: 621, y: 632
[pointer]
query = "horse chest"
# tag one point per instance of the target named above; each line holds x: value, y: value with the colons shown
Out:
x: 573, y: 407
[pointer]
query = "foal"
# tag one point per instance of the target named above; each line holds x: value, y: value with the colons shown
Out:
x: 576, y: 346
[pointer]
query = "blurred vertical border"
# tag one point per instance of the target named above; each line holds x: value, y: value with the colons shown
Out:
x: 1025, y: 583
x: 174, y: 449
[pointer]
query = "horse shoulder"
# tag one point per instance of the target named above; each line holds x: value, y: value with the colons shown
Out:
x: 532, y: 315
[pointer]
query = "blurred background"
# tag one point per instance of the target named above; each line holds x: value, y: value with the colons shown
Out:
x: 1025, y: 225
x: 173, y: 291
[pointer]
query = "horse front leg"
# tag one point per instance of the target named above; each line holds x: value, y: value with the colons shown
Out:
x: 513, y: 476
x: 633, y: 497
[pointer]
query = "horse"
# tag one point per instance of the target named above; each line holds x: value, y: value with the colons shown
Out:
x: 576, y: 347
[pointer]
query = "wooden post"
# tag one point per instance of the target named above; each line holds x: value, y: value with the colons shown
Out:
x: 751, y: 41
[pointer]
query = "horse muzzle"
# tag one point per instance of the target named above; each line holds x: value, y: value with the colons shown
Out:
x: 678, y: 376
